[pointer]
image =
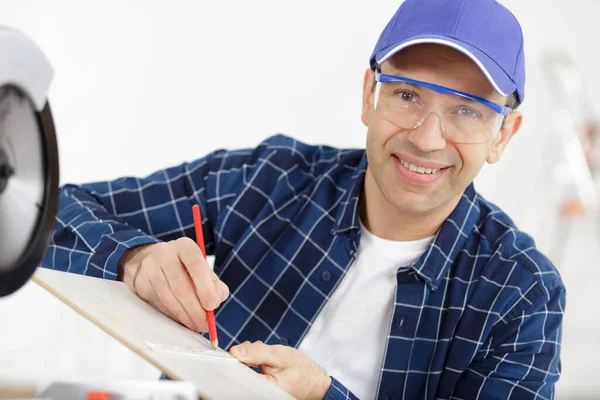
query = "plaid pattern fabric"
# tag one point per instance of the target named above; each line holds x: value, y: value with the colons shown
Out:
x: 478, y: 316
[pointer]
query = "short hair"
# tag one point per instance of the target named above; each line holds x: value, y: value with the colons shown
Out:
x: 513, y: 101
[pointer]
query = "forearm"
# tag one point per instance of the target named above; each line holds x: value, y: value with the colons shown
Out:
x: 98, y: 222
x: 88, y: 238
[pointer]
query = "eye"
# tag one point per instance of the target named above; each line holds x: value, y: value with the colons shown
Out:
x: 407, y: 96
x: 468, y: 112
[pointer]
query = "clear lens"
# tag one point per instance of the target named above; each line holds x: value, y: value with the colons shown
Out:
x: 407, y: 106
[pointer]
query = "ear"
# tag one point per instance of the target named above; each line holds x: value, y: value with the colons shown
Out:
x: 367, y: 95
x: 511, y: 127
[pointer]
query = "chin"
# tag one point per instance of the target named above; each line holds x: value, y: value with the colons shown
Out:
x: 409, y: 201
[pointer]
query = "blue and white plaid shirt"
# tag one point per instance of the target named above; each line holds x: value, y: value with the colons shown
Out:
x: 478, y: 316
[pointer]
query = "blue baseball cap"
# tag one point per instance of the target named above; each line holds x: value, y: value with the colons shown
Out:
x: 484, y: 30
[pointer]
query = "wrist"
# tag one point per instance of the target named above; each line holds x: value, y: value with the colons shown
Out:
x: 322, y: 387
x: 130, y: 264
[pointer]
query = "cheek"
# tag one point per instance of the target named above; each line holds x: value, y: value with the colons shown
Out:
x: 473, y: 158
x: 378, y: 134
x: 374, y: 150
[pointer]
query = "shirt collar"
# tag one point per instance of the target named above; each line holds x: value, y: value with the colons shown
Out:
x: 448, y: 242
x: 346, y: 220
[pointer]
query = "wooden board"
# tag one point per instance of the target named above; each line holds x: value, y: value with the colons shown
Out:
x: 177, y: 351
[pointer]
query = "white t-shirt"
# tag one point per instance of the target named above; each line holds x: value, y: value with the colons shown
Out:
x: 348, y: 337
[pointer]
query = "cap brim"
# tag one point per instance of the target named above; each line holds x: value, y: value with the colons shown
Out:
x: 493, y: 72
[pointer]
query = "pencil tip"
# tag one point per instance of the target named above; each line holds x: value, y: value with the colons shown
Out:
x: 215, y: 344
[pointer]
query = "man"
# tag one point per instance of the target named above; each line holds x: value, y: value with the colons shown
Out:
x: 350, y: 273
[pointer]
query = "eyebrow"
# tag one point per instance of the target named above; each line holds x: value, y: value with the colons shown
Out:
x: 466, y: 99
x: 413, y: 85
x: 416, y: 86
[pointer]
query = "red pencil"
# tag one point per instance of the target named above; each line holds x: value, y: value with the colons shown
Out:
x: 210, y: 315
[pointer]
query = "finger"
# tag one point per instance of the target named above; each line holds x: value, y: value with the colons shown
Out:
x: 200, y: 272
x: 161, y: 307
x: 182, y: 287
x: 146, y: 291
x: 268, y: 370
x: 164, y: 293
x: 240, y: 349
x: 170, y: 301
x: 258, y: 353
x: 271, y: 378
x: 223, y: 289
x: 150, y: 295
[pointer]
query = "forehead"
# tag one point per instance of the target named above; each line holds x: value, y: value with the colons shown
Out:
x: 441, y: 65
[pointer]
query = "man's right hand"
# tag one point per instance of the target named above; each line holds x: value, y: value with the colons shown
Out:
x: 176, y: 278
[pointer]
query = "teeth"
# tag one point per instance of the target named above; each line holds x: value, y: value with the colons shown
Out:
x: 416, y: 168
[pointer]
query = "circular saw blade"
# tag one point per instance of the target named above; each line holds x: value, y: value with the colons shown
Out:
x: 21, y: 199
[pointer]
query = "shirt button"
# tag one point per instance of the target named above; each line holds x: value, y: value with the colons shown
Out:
x: 284, y: 341
x: 326, y: 276
x: 399, y: 322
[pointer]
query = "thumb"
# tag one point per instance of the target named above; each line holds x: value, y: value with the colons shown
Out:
x: 258, y: 354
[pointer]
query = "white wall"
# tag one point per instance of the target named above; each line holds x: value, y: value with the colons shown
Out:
x: 195, y: 76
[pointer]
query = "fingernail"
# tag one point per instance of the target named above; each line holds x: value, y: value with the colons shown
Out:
x: 211, y: 305
x: 224, y: 292
x: 238, y: 351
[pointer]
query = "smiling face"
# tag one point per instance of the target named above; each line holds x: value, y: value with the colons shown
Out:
x: 417, y: 171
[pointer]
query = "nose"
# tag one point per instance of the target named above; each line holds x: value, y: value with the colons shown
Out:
x: 428, y: 135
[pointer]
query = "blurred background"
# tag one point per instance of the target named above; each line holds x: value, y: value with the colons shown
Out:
x: 141, y: 85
